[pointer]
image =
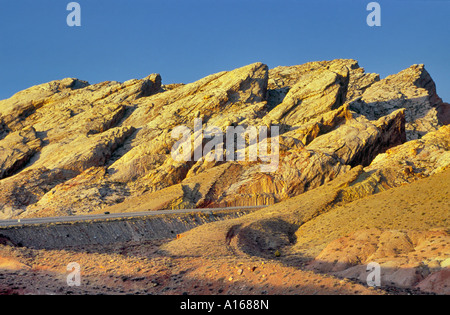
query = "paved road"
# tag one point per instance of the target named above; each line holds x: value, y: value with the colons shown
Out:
x: 6, y: 223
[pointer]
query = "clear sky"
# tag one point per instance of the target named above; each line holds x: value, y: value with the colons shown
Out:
x: 186, y: 40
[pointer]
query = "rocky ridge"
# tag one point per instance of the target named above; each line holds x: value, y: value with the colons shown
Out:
x: 103, y: 144
x: 347, y: 139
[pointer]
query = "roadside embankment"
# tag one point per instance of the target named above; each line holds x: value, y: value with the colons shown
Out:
x: 108, y: 231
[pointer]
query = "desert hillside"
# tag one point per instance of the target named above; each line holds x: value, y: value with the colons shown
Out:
x: 361, y: 174
x: 70, y: 148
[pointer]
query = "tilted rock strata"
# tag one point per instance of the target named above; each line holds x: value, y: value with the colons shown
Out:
x: 70, y: 148
x: 405, y: 230
x: 412, y: 89
x: 111, y: 142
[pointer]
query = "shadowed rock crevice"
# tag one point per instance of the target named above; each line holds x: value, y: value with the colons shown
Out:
x: 17, y: 149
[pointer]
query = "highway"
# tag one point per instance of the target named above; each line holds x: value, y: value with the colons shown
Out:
x: 130, y: 215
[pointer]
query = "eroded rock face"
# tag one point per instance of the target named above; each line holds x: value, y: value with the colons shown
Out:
x: 406, y: 259
x: 315, y: 93
x: 23, y: 104
x: 112, y: 141
x: 412, y: 89
x: 61, y: 129
x: 16, y: 150
x: 404, y: 230
x: 27, y: 188
x: 405, y: 164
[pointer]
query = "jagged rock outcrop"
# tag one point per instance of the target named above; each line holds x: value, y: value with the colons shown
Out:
x: 405, y: 230
x: 359, y: 141
x: 27, y: 188
x: 355, y: 142
x: 404, y: 164
x: 110, y: 143
x: 412, y: 89
x: 314, y: 93
x: 444, y: 113
x: 16, y: 150
x: 408, y: 259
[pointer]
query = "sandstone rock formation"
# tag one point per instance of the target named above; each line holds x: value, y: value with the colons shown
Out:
x: 406, y: 259
x: 110, y: 143
x: 17, y: 149
x: 347, y: 140
x: 404, y: 230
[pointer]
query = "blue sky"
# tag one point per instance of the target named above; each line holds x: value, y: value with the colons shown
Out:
x: 187, y: 40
